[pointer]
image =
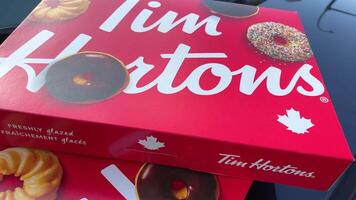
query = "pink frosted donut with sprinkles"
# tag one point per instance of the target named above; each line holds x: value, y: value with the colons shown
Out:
x: 280, y: 41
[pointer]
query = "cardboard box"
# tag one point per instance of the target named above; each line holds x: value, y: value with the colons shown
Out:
x: 211, y: 86
x: 83, y: 178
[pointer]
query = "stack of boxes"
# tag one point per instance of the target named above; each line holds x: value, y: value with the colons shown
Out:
x: 214, y: 87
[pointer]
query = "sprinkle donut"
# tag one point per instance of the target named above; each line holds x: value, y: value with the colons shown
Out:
x: 40, y: 172
x: 169, y: 183
x: 280, y: 41
x: 59, y: 10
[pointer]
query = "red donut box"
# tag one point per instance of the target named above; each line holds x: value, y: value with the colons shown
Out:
x: 200, y: 94
x: 87, y: 178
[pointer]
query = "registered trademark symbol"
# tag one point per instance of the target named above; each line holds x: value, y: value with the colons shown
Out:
x: 324, y: 99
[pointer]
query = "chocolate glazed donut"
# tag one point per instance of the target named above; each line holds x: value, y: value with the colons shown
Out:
x: 231, y: 9
x: 155, y: 182
x: 86, y: 77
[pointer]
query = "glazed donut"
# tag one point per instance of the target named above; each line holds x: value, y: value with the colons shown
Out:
x: 169, y: 183
x: 231, y: 9
x: 86, y: 77
x: 280, y: 41
x: 59, y: 10
x: 39, y: 170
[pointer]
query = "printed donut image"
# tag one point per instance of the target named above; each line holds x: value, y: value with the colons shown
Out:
x: 280, y: 41
x: 59, y: 10
x: 168, y: 183
x: 86, y: 77
x: 231, y: 9
x: 40, y: 172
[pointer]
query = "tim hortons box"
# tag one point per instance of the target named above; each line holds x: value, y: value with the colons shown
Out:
x: 210, y: 86
x: 42, y: 175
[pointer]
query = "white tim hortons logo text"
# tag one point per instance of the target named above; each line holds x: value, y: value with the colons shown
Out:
x: 164, y: 24
x: 263, y: 165
x: 164, y: 82
x: 303, y: 81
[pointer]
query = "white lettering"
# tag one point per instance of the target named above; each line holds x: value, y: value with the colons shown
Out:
x: 169, y: 21
x: 225, y: 157
x: 18, y: 58
x: 231, y: 160
x: 273, y: 77
x: 165, y: 24
x: 118, y: 15
x: 164, y: 82
x: 248, y: 83
x: 263, y: 165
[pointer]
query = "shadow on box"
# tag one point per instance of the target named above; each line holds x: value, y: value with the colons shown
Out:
x: 3, y: 37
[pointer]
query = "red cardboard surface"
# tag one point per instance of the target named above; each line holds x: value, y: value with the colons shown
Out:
x: 213, y: 87
x: 88, y: 179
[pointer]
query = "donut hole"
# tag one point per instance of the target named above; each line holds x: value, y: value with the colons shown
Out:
x: 180, y: 189
x: 10, y: 183
x: 280, y: 40
x: 84, y: 79
x: 52, y: 3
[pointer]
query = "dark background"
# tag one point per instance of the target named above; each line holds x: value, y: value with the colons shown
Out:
x: 331, y: 29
